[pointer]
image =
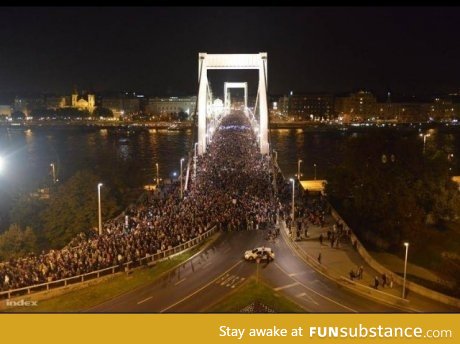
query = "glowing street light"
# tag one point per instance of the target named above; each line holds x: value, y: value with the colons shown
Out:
x: 194, y: 160
x: 158, y: 174
x: 293, y: 198
x: 405, y: 270
x: 424, y: 140
x: 315, y: 170
x: 298, y: 168
x: 53, y: 168
x: 99, y: 206
x: 181, y: 182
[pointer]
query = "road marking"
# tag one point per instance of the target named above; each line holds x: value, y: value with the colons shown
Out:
x: 237, y: 282
x: 206, y: 265
x: 308, y: 297
x: 296, y: 274
x: 286, y: 286
x: 180, y: 281
x: 200, y: 289
x: 144, y: 300
x: 314, y: 291
x: 226, y: 250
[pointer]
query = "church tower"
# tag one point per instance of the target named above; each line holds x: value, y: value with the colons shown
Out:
x: 91, y: 102
x: 74, y: 97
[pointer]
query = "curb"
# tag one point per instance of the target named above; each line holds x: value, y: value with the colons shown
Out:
x: 343, y: 281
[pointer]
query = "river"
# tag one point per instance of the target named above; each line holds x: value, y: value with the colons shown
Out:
x: 131, y: 155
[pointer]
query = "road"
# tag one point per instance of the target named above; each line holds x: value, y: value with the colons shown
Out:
x: 211, y: 275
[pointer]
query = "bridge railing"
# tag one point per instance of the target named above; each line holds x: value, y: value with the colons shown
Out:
x: 149, y: 259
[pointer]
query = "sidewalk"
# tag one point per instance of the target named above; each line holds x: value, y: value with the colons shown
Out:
x: 338, y: 262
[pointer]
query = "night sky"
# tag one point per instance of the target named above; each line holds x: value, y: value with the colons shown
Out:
x: 154, y: 50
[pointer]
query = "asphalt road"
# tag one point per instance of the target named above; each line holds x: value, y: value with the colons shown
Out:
x: 211, y: 275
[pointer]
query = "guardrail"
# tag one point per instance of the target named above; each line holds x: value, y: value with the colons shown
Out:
x: 156, y: 257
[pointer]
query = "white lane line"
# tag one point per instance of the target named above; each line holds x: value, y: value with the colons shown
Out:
x: 286, y: 286
x: 180, y: 281
x: 144, y: 300
x: 314, y: 291
x: 200, y: 289
x: 305, y: 295
x: 206, y: 265
x: 296, y: 274
x: 226, y: 250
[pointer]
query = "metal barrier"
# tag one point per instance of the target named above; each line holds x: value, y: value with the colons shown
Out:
x: 109, y: 270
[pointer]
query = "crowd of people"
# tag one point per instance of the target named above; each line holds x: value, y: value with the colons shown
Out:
x: 232, y: 190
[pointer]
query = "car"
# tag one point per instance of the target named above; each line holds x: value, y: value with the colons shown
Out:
x: 261, y: 253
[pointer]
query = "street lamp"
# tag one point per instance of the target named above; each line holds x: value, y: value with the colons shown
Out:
x: 315, y: 170
x: 54, y: 172
x: 293, y: 197
x: 298, y: 168
x: 424, y: 140
x: 405, y: 270
x: 99, y: 206
x: 181, y: 183
x: 158, y: 175
x: 196, y: 145
x: 194, y: 160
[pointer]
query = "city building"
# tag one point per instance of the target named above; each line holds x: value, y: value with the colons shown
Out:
x: 28, y: 104
x: 306, y: 106
x: 357, y: 106
x: 5, y: 110
x: 56, y: 102
x: 171, y: 106
x: 85, y: 101
x: 123, y: 105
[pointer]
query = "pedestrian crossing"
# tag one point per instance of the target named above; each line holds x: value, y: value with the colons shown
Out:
x: 230, y: 281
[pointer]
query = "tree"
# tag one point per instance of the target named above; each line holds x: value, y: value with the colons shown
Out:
x: 182, y: 116
x: 18, y: 115
x: 16, y: 242
x: 26, y: 212
x: 102, y: 112
x: 73, y: 208
x: 390, y: 200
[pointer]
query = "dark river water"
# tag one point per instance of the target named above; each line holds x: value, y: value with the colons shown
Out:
x: 131, y: 156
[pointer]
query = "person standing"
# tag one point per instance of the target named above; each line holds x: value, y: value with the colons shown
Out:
x: 360, y: 272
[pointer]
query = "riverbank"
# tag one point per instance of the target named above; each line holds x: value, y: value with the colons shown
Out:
x: 273, y: 125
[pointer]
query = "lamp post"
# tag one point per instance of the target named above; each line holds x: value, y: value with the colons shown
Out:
x: 99, y: 206
x: 194, y: 160
x: 315, y: 170
x: 298, y: 168
x: 53, y: 171
x: 158, y: 175
x: 405, y: 270
x: 293, y: 197
x: 424, y: 140
x: 181, y: 188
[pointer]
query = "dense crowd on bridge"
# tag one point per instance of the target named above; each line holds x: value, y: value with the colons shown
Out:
x: 233, y: 190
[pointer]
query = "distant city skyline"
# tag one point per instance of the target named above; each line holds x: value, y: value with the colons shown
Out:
x: 155, y: 49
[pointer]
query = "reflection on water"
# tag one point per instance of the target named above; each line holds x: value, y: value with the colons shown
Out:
x: 131, y: 156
